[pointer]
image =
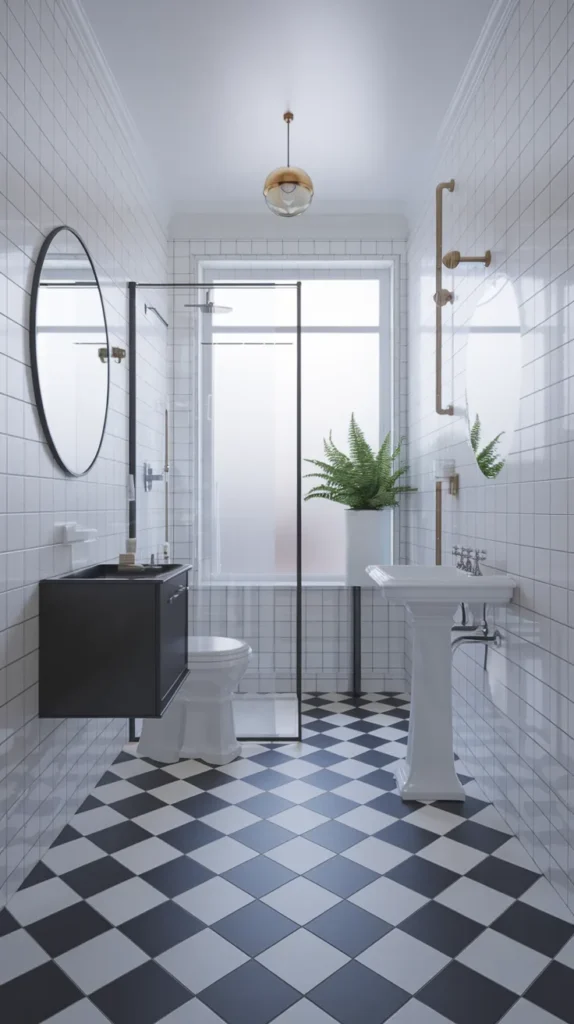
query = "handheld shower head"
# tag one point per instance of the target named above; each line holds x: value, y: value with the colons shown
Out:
x: 208, y: 306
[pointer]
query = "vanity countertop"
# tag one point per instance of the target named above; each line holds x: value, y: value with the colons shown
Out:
x: 105, y: 573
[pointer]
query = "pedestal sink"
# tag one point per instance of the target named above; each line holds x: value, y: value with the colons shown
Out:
x: 432, y: 595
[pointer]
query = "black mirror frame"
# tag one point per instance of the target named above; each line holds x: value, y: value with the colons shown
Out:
x: 33, y: 351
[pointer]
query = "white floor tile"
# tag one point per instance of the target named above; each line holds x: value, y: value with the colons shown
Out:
x: 513, y: 852
x: 213, y: 900
x: 474, y: 900
x: 126, y: 900
x: 296, y: 768
x: 236, y: 791
x: 376, y: 855
x: 359, y: 791
x: 414, y: 1012
x: 162, y: 820
x: 241, y: 769
x: 101, y: 960
x: 433, y: 819
x: 490, y: 817
x: 82, y: 1012
x: 175, y: 792
x: 388, y: 900
x: 566, y: 955
x: 365, y: 819
x: 129, y: 769
x: 303, y: 960
x: 298, y: 792
x: 353, y: 769
x: 40, y: 900
x: 298, y: 819
x: 544, y: 897
x: 148, y: 854
x: 347, y: 749
x: 120, y: 790
x: 194, y: 1012
x: 300, y: 855
x: 222, y: 855
x: 301, y: 900
x: 186, y: 769
x: 503, y: 960
x: 230, y: 819
x: 342, y: 732
x: 89, y: 822
x: 304, y: 1012
x: 524, y: 1012
x: 452, y: 855
x: 202, y: 960
x: 404, y: 960
x: 19, y: 953
x: 71, y: 855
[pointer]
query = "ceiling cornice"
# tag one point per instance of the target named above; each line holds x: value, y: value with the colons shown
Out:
x: 133, y: 142
x: 492, y: 32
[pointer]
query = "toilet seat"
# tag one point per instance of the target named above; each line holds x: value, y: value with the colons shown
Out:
x: 215, y: 648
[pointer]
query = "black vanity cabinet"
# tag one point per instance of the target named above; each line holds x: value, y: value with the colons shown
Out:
x: 112, y: 645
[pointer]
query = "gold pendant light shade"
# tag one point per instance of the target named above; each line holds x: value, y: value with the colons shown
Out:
x: 288, y: 190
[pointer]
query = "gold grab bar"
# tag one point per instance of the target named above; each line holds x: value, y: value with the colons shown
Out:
x: 441, y: 297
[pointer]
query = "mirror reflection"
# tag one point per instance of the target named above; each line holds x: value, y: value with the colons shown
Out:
x: 493, y: 370
x: 70, y: 352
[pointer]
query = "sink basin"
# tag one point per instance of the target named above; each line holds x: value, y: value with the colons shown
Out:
x: 409, y: 583
x: 432, y: 594
x: 113, y: 572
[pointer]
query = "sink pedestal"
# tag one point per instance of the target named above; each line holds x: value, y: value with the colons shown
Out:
x: 428, y: 772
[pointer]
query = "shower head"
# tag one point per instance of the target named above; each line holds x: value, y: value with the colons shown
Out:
x: 208, y: 306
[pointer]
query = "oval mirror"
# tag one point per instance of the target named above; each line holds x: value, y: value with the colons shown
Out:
x: 69, y: 351
x: 493, y: 370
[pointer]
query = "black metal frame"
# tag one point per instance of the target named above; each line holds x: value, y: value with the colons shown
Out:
x: 132, y: 468
x: 36, y: 280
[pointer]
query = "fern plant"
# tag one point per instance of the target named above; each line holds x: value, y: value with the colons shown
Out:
x: 364, y: 479
x: 488, y: 459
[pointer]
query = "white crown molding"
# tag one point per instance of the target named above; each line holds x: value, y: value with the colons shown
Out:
x: 492, y: 32
x: 96, y: 60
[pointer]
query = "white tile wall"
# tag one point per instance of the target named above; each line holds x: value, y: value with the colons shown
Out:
x: 64, y: 158
x: 255, y: 615
x: 512, y: 157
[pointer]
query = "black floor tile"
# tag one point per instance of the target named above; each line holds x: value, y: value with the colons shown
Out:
x: 259, y: 876
x: 553, y: 991
x: 323, y: 741
x: 107, y: 779
x: 341, y: 876
x: 325, y: 780
x: 364, y: 726
x: 422, y: 876
x: 38, y: 995
x: 90, y: 803
x: 480, y: 837
x: 505, y: 877
x: 331, y: 805
x: 356, y: 994
x: 323, y: 758
x: 268, y: 779
x: 95, y: 877
x: 369, y: 742
x: 349, y: 928
x: 406, y: 836
x: 335, y: 836
x: 60, y: 932
x: 153, y: 779
x: 265, y: 805
x: 67, y: 835
x: 391, y: 803
x: 534, y: 928
x: 39, y: 873
x: 133, y: 806
x: 249, y: 995
x: 201, y: 804
x: 270, y: 758
x: 254, y: 928
x: 146, y: 995
x: 124, y: 756
x: 381, y: 779
x: 177, y: 876
x: 442, y: 928
x: 210, y: 779
x: 118, y: 837
x: 318, y: 712
x: 318, y: 726
x: 162, y: 927
x: 8, y: 924
x: 191, y: 836
x: 465, y: 997
x: 358, y: 712
x: 263, y: 836
x: 465, y: 808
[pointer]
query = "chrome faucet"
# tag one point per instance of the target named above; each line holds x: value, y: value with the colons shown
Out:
x: 479, y: 556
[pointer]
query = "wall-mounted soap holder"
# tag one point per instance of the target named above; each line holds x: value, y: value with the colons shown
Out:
x: 150, y: 476
x: 75, y: 536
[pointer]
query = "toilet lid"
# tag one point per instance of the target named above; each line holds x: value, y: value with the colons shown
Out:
x: 215, y: 647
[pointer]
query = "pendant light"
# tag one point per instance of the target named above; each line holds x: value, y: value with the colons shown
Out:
x: 288, y: 190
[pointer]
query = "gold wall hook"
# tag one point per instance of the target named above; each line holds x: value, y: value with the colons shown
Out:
x: 443, y: 297
x: 453, y: 258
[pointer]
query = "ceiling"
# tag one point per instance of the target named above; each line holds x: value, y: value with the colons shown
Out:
x: 369, y: 82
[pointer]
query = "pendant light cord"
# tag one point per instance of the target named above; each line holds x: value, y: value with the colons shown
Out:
x: 288, y: 146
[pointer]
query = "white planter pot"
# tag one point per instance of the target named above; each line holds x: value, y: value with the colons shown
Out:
x: 368, y: 543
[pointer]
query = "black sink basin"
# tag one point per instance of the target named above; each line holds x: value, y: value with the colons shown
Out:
x: 116, y: 572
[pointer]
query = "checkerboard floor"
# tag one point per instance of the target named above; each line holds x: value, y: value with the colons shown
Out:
x: 292, y: 886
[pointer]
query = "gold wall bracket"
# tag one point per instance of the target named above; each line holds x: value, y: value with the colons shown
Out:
x: 453, y: 258
x: 441, y: 297
x: 116, y: 353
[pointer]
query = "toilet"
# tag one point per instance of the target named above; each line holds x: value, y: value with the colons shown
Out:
x: 199, y: 721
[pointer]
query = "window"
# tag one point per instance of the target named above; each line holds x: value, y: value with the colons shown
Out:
x: 248, y: 424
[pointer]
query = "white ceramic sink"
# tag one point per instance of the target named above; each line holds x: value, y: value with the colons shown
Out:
x: 432, y: 594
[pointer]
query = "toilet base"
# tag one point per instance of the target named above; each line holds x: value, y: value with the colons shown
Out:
x: 209, y: 728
